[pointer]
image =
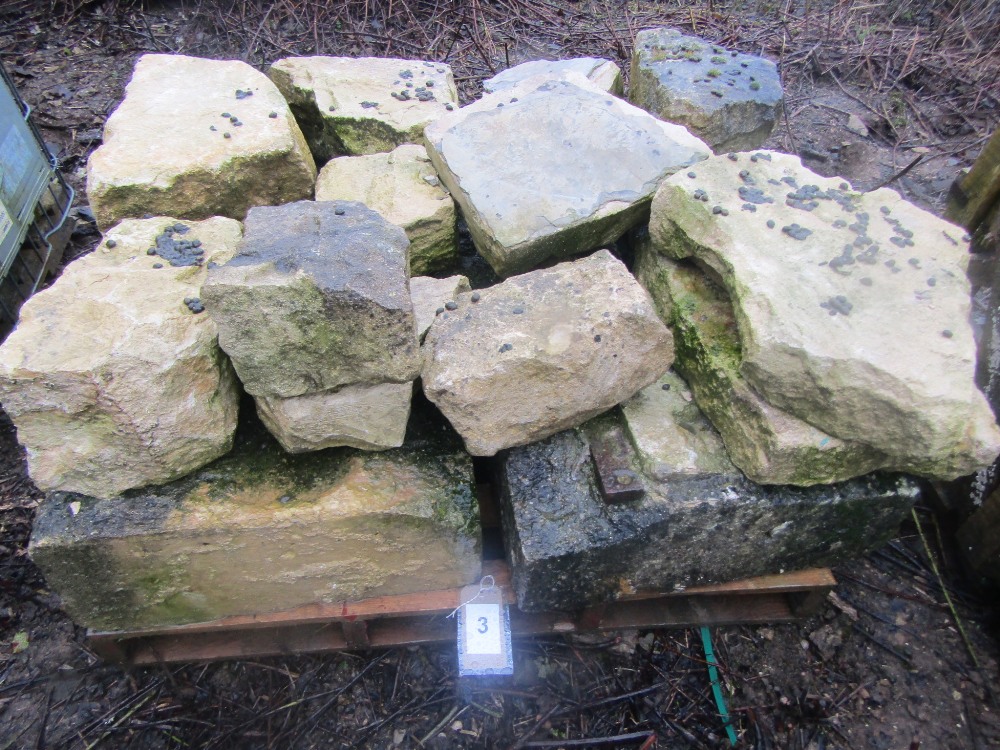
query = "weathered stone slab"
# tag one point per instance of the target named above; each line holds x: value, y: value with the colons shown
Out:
x: 316, y: 298
x: 403, y: 187
x: 770, y: 445
x: 353, y: 106
x: 728, y: 99
x: 261, y: 531
x: 168, y: 149
x: 111, y: 378
x: 569, y: 169
x: 603, y: 74
x: 852, y: 309
x: 430, y: 295
x: 369, y: 417
x: 568, y: 548
x: 542, y: 352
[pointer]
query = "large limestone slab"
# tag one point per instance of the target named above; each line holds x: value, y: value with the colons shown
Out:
x: 542, y: 352
x: 852, y: 309
x: 569, y: 168
x: 403, y: 187
x: 365, y: 105
x: 197, y: 138
x: 603, y: 74
x: 369, y: 417
x: 113, y: 377
x: 729, y: 99
x: 316, y: 298
x: 261, y: 531
x: 568, y: 549
x: 771, y: 446
x: 430, y: 295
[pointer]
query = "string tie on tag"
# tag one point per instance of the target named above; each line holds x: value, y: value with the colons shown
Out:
x: 483, y: 588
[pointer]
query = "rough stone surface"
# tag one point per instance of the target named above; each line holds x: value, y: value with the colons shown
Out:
x: 604, y: 74
x: 568, y: 549
x: 569, y: 168
x: 166, y: 149
x: 430, y: 295
x: 112, y: 380
x: 852, y: 309
x: 316, y: 298
x: 261, y: 531
x: 728, y: 99
x: 770, y: 445
x: 351, y: 106
x: 369, y: 417
x: 542, y: 352
x: 403, y: 187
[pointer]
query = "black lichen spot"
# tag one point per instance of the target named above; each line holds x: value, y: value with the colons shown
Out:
x: 451, y: 305
x: 747, y: 177
x: 226, y: 115
x: 749, y: 207
x: 838, y: 304
x: 476, y: 297
x: 111, y: 243
x: 732, y: 157
x: 770, y: 223
x: 947, y: 334
x: 692, y: 175
x: 518, y: 310
x: 866, y: 281
x: 915, y: 262
x: 597, y: 338
x: 226, y: 135
x: 716, y: 209
x: 273, y: 115
x: 931, y: 281
x: 449, y: 107
x: 241, y: 94
x: 369, y: 105
x: 439, y: 311
x: 796, y: 232
x: 754, y: 195
x: 506, y: 348
x: 194, y: 305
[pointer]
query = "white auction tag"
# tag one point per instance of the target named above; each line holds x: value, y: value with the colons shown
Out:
x: 484, y: 646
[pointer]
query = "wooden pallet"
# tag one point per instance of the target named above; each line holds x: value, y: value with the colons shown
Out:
x: 422, y: 618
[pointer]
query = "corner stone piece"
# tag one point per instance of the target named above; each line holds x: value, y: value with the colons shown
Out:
x: 604, y: 74
x: 261, y: 531
x: 403, y: 187
x: 352, y: 106
x: 769, y: 445
x: 188, y: 141
x: 111, y: 378
x: 728, y: 99
x: 568, y: 549
x: 317, y: 298
x: 852, y: 308
x: 369, y: 417
x: 549, y: 169
x: 430, y: 295
x: 542, y: 352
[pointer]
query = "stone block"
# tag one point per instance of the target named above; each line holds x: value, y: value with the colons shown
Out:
x: 112, y: 377
x: 316, y: 298
x: 261, y: 531
x: 569, y: 549
x: 768, y: 444
x: 430, y: 295
x: 351, y: 106
x: 549, y: 169
x: 603, y: 74
x: 403, y: 187
x: 369, y: 417
x: 852, y: 308
x: 197, y: 138
x: 542, y: 352
x: 728, y: 99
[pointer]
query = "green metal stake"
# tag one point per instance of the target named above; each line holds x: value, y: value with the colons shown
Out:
x: 713, y: 675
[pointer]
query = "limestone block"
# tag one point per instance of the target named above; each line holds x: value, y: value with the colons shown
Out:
x: 728, y: 99
x: 169, y: 150
x: 352, y: 106
x: 549, y: 169
x: 369, y: 417
x: 316, y: 298
x: 604, y: 74
x: 568, y: 549
x: 852, y: 308
x: 114, y: 381
x: 261, y: 531
x: 403, y: 187
x: 770, y: 445
x: 542, y: 352
x: 430, y: 295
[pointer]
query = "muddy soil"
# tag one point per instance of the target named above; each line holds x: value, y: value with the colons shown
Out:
x: 883, y: 664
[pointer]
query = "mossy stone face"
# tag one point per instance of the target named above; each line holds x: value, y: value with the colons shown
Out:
x: 261, y: 530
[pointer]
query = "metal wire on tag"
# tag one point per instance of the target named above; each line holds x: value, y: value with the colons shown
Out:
x: 483, y: 588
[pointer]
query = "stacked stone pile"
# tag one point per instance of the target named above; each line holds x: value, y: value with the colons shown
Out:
x: 822, y: 344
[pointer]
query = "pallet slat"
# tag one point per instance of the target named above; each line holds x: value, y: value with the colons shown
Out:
x: 418, y: 618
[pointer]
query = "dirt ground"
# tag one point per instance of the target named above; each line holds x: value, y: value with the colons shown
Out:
x: 884, y: 664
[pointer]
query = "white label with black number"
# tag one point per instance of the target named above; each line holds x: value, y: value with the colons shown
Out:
x: 482, y: 629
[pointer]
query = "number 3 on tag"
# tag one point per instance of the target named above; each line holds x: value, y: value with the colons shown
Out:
x: 482, y: 629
